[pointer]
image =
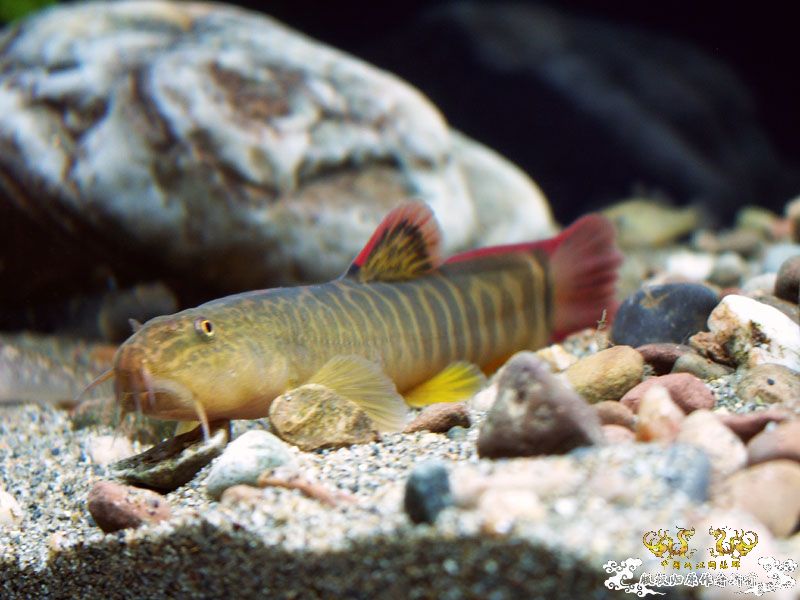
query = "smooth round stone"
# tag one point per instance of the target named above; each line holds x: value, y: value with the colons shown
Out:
x: 770, y: 491
x: 792, y: 212
x: 770, y: 384
x: 728, y: 270
x: 440, y: 418
x: 700, y: 366
x: 617, y: 434
x: 781, y: 441
x: 787, y: 283
x: 659, y: 418
x: 725, y: 450
x: 748, y: 425
x: 686, y: 390
x: 672, y: 312
x: 10, y: 511
x: 427, y: 492
x: 764, y: 283
x: 606, y: 375
x: 114, y: 506
x: 612, y: 412
x: 245, y: 458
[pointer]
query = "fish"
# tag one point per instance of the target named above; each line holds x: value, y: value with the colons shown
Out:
x: 401, y: 328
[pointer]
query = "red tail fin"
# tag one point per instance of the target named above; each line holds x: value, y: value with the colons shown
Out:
x: 583, y: 262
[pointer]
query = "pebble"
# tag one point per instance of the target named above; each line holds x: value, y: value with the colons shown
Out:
x: 787, y: 283
x: 173, y: 462
x: 741, y: 241
x: 440, y: 418
x: 686, y: 468
x: 427, y: 492
x: 728, y: 270
x: 662, y: 355
x: 770, y: 491
x: 770, y: 384
x: 777, y: 254
x: 618, y: 434
x: 748, y: 425
x: 606, y: 375
x: 114, y: 506
x: 557, y: 357
x: 755, y: 333
x: 692, y: 266
x: 536, y: 413
x: 612, y: 412
x: 780, y: 441
x: 501, y: 509
x: 670, y: 312
x: 659, y: 418
x: 245, y: 458
x: 686, y: 390
x: 10, y: 511
x: 792, y: 213
x: 700, y: 366
x: 706, y: 344
x: 726, y: 452
x: 765, y: 282
x: 106, y: 449
x: 313, y: 416
x: 787, y: 308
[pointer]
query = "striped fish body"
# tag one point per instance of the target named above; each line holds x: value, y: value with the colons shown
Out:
x: 480, y: 311
x: 399, y: 320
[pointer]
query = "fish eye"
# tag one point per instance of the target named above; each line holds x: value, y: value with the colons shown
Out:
x: 204, y: 327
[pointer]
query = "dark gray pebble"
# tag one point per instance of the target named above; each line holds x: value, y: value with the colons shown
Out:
x: 672, y: 312
x: 427, y: 492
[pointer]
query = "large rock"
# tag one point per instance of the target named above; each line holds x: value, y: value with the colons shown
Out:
x: 219, y: 149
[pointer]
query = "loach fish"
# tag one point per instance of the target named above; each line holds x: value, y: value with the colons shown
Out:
x: 400, y: 328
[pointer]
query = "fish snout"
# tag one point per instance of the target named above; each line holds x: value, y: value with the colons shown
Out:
x: 132, y: 381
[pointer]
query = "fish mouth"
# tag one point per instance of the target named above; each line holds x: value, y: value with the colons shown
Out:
x: 137, y: 390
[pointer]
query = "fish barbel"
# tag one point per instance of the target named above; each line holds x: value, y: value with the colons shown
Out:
x: 401, y: 327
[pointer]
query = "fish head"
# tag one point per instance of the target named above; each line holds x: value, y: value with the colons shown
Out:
x: 198, y: 363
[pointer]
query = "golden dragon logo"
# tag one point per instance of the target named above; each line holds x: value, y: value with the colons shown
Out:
x: 663, y: 545
x: 739, y: 544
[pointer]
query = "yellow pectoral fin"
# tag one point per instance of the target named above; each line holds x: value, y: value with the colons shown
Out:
x: 458, y: 381
x: 364, y: 383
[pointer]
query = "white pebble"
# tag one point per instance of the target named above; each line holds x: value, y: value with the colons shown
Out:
x: 755, y: 333
x: 10, y: 510
x: 694, y: 266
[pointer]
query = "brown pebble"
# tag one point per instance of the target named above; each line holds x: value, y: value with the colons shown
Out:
x: 700, y: 366
x: 617, y: 434
x: 661, y: 356
x: 611, y: 412
x: 440, y: 418
x: 748, y: 425
x: 536, y: 413
x: 782, y: 441
x: 114, y: 506
x: 687, y: 391
x: 725, y: 450
x: 659, y: 418
x: 606, y: 375
x: 770, y: 384
x: 770, y: 491
x: 787, y: 285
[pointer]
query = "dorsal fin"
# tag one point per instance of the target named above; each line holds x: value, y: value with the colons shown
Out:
x: 405, y: 245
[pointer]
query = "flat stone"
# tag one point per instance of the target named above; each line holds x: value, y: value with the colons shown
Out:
x: 606, y: 375
x: 700, y: 366
x: 662, y: 355
x: 748, y: 425
x: 755, y: 333
x: 671, y: 312
x: 787, y: 284
x: 770, y: 384
x: 770, y: 491
x: 174, y: 462
x: 440, y: 418
x: 773, y: 443
x: 612, y: 412
x: 245, y: 458
x: 686, y: 390
x: 314, y: 416
x: 659, y: 419
x: 535, y: 413
x: 725, y: 450
x: 427, y: 492
x: 114, y: 506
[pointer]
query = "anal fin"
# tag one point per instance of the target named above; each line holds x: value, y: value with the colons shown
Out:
x: 364, y: 383
x: 456, y: 382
